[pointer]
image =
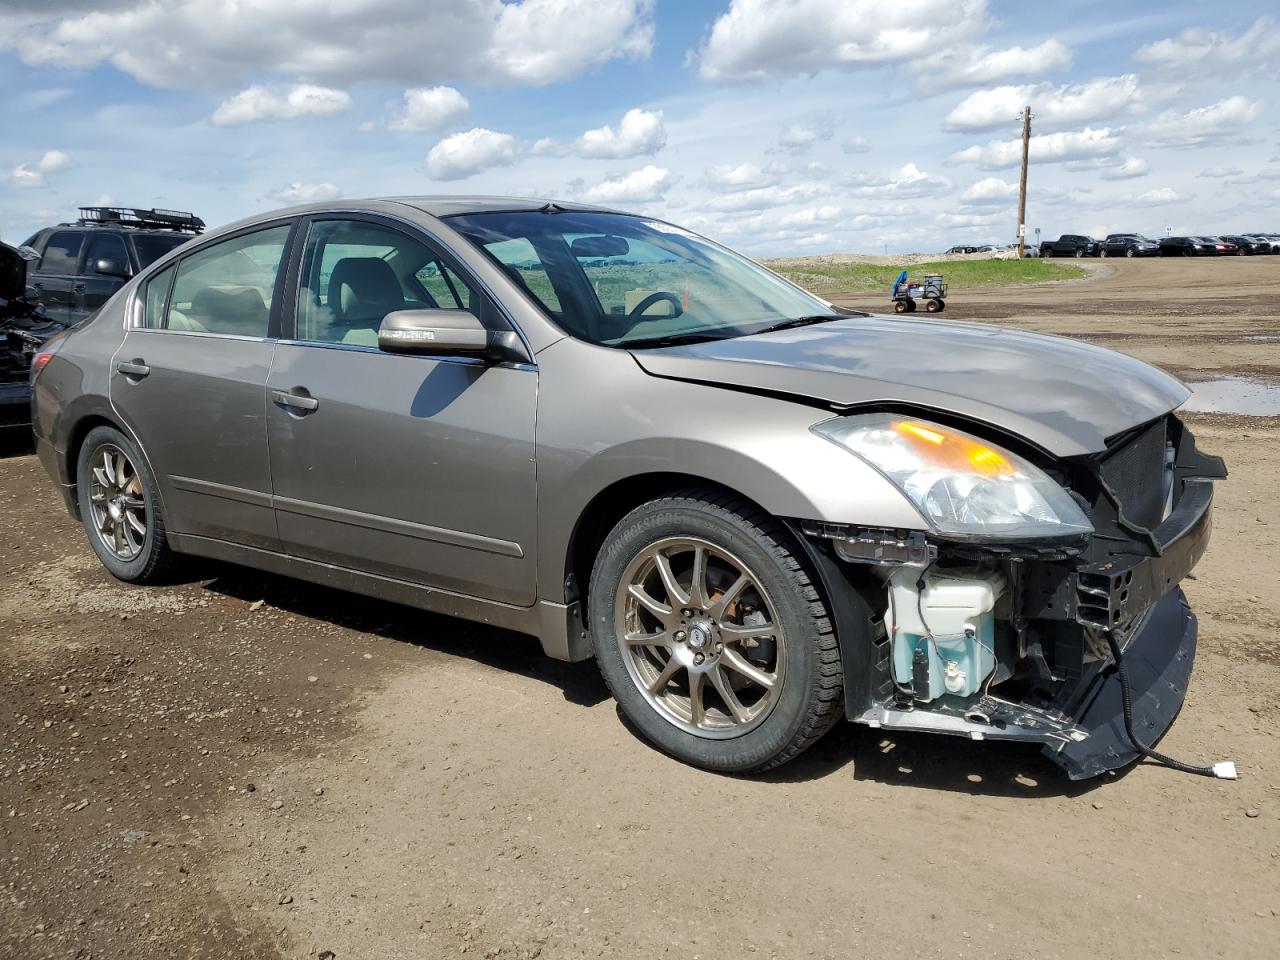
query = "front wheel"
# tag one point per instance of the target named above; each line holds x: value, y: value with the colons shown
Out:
x: 120, y: 508
x: 1129, y: 252
x: 711, y: 634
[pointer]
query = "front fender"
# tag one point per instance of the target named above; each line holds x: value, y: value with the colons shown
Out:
x: 602, y: 420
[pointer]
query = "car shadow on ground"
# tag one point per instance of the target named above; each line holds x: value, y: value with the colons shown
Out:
x: 926, y: 761
x: 501, y: 649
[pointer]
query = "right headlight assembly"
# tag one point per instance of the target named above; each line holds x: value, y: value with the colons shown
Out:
x: 964, y: 486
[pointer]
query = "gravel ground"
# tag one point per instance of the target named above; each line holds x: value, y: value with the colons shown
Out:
x: 239, y: 765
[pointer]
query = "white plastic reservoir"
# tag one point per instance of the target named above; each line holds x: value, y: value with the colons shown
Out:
x: 951, y: 619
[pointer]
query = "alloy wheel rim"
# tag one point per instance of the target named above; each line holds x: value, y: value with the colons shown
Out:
x: 116, y: 502
x: 700, y: 638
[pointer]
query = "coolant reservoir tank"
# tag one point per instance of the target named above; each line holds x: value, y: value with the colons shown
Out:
x: 951, y: 620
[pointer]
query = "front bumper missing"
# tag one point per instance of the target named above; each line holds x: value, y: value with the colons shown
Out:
x: 1158, y: 658
x: 1136, y: 596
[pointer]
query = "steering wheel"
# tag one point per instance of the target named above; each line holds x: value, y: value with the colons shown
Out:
x: 657, y: 297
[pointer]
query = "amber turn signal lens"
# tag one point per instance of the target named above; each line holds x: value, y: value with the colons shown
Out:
x: 952, y: 451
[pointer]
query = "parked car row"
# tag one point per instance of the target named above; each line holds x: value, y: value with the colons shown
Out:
x: 1136, y: 245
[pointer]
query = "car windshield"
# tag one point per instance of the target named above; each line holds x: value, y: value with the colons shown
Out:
x: 151, y: 247
x: 626, y: 281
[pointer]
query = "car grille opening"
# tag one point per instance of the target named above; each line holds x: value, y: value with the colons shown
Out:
x: 1134, y: 472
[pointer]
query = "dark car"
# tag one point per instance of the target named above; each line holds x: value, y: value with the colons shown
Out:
x: 1190, y: 247
x: 1248, y: 246
x: 1070, y: 245
x: 82, y: 264
x: 24, y: 330
x: 962, y: 248
x: 758, y: 512
x: 1128, y: 245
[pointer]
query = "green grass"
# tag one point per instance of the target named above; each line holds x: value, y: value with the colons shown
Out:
x: 958, y: 274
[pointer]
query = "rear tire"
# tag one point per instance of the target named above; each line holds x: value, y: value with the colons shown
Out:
x: 769, y: 643
x: 900, y: 306
x: 934, y: 305
x: 120, y: 508
x: 1079, y: 254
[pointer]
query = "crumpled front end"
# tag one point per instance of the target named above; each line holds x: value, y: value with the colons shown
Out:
x: 1012, y: 641
x: 24, y: 328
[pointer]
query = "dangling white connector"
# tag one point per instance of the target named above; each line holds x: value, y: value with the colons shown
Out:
x: 1225, y: 770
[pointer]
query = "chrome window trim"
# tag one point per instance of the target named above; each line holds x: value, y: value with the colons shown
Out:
x: 443, y: 357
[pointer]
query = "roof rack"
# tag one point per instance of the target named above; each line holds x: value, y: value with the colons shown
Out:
x: 157, y: 219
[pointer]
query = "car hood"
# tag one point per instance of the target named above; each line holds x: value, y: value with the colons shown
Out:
x: 13, y: 273
x: 1063, y: 396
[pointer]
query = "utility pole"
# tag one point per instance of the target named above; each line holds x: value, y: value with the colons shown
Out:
x: 1022, y: 183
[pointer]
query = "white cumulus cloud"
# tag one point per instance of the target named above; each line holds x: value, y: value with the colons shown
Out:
x: 1045, y: 148
x: 1198, y: 49
x: 640, y: 132
x: 1226, y: 121
x: 465, y: 154
x: 213, y: 43
x: 1051, y: 106
x: 306, y: 193
x: 430, y: 108
x: 1132, y: 168
x: 989, y: 191
x: 33, y: 174
x: 648, y: 183
x: 760, y: 38
x: 909, y: 181
x: 1160, y: 196
x: 258, y: 103
x: 983, y: 65
x: 726, y: 177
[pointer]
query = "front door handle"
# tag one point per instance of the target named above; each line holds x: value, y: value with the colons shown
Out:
x: 295, y: 399
x: 134, y: 369
x: 77, y: 288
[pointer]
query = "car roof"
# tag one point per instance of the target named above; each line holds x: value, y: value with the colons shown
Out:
x: 444, y: 206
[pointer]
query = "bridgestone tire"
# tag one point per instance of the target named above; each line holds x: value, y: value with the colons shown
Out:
x: 809, y: 698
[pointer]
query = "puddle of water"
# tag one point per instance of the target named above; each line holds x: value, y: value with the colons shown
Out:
x: 1241, y: 395
x: 1262, y: 338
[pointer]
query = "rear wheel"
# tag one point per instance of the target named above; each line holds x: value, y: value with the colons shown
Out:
x: 1102, y: 253
x: 900, y: 306
x: 933, y: 305
x: 1079, y: 253
x: 120, y: 509
x: 911, y: 306
x: 711, y: 634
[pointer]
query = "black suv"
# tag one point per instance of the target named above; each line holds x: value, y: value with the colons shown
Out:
x: 82, y: 264
x: 1128, y: 245
x: 1070, y: 245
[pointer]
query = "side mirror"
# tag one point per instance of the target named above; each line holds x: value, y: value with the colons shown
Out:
x: 112, y: 268
x: 447, y: 332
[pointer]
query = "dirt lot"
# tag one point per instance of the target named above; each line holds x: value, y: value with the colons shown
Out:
x: 242, y: 766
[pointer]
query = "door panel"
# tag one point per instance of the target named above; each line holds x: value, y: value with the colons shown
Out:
x: 192, y: 385
x: 408, y: 467
x: 199, y: 414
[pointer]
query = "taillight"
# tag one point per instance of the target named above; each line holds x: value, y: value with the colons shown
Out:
x: 45, y: 354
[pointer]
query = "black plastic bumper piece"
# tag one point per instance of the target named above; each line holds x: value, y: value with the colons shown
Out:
x: 1158, y: 659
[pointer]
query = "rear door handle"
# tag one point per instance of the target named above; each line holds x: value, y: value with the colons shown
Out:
x: 77, y: 288
x: 135, y: 369
x: 294, y: 399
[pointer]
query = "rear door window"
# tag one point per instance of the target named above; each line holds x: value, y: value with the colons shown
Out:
x: 227, y: 288
x: 62, y: 252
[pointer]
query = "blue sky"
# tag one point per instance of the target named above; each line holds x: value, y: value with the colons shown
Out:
x: 778, y: 127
